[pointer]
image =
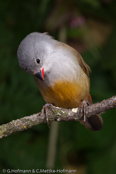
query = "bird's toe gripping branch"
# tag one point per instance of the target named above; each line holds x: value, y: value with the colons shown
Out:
x: 94, y: 122
x: 84, y: 106
x: 46, y: 113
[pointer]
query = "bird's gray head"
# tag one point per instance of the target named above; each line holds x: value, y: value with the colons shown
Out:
x: 32, y: 53
x: 40, y: 54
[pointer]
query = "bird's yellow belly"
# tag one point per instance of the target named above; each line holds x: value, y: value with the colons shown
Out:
x: 66, y: 94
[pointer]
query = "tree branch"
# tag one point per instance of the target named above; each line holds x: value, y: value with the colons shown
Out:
x: 56, y: 114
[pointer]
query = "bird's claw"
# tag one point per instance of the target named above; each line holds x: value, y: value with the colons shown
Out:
x: 84, y: 105
x: 45, y: 112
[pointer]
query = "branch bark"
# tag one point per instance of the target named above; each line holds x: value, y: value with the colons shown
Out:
x: 56, y: 114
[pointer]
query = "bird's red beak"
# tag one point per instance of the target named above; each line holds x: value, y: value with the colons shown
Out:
x: 40, y: 74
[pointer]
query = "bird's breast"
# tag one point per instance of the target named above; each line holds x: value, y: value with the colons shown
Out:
x: 66, y: 94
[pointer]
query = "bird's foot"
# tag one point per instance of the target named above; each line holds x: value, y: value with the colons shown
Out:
x: 84, y: 121
x: 84, y: 105
x: 45, y: 112
x: 94, y: 122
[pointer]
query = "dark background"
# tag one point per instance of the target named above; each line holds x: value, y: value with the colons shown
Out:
x: 88, y: 26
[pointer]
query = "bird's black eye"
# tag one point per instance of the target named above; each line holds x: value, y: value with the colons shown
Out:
x: 38, y: 61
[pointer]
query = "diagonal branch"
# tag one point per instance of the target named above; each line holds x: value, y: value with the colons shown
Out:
x: 56, y: 114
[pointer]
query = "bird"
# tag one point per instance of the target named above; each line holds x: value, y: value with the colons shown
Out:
x: 60, y: 72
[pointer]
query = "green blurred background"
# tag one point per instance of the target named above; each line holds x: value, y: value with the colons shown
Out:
x: 90, y: 27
